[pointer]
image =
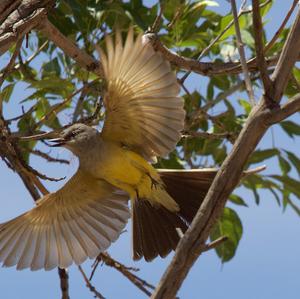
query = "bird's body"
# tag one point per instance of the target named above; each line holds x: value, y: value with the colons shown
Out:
x: 144, y: 116
x: 126, y: 170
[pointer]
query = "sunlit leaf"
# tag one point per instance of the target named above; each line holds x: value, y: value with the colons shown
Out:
x: 228, y: 225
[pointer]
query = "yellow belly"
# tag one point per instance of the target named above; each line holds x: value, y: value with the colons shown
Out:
x: 132, y: 173
x: 127, y: 170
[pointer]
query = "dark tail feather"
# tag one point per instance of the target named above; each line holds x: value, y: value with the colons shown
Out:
x: 155, y: 229
x: 188, y: 188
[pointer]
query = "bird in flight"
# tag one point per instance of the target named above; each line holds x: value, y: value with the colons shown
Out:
x: 144, y: 117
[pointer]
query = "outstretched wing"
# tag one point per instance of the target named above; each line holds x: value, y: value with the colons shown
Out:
x: 76, y: 222
x: 143, y: 109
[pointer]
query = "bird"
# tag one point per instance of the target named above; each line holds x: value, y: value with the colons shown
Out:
x: 116, y: 179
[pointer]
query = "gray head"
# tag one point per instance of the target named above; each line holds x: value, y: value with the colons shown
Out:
x: 77, y: 138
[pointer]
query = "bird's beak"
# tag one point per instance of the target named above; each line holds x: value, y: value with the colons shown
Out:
x: 57, y: 142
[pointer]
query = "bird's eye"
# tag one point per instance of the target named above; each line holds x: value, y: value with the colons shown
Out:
x: 72, y: 135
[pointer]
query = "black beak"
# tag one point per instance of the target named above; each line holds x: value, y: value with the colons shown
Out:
x: 57, y: 142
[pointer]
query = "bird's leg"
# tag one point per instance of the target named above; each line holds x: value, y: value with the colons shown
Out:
x: 137, y: 193
x: 154, y: 182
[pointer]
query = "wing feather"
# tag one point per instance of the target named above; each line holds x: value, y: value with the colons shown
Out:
x: 140, y: 87
x: 75, y: 223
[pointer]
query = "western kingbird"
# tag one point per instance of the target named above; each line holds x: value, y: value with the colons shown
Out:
x: 144, y: 119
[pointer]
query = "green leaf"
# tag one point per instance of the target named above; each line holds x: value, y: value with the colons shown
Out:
x: 6, y: 92
x: 51, y: 67
x: 294, y: 160
x: 290, y: 128
x: 289, y: 183
x: 201, y: 3
x: 284, y: 165
x: 237, y: 200
x: 261, y: 155
x: 247, y: 38
x: 246, y: 105
x: 228, y: 225
x: 172, y: 163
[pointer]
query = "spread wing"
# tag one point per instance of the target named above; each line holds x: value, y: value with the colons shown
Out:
x: 76, y: 222
x: 143, y: 109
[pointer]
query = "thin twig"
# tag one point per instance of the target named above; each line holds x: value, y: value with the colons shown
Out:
x: 259, y: 47
x: 206, y: 135
x: 55, y: 108
x: 11, y: 63
x: 48, y: 157
x: 24, y: 114
x: 217, y: 38
x: 288, y: 56
x: 70, y: 48
x: 241, y: 50
x: 215, y: 243
x: 138, y: 282
x: 289, y: 108
x: 64, y: 283
x: 282, y: 26
x: 89, y: 285
x: 156, y: 24
x: 204, y: 68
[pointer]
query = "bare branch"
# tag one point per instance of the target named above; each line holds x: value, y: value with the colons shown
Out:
x: 81, y: 57
x: 158, y: 20
x: 280, y: 113
x: 227, y: 177
x: 22, y: 19
x: 6, y: 7
x: 258, y: 36
x: 48, y: 157
x: 9, y: 67
x: 203, y: 68
x: 287, y: 59
x: 240, y: 47
x: 282, y: 26
x: 89, y: 285
x: 138, y: 282
x: 64, y: 283
x: 217, y: 38
x: 206, y: 135
x: 11, y: 63
x: 255, y: 170
x: 215, y: 243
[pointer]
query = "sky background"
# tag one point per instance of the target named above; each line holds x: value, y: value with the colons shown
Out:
x: 266, y: 265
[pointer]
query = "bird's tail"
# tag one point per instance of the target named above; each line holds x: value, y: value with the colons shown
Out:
x: 156, y: 230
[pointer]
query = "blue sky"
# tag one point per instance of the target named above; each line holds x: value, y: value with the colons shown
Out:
x: 266, y: 265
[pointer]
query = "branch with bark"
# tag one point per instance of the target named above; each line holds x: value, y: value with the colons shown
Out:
x: 230, y: 172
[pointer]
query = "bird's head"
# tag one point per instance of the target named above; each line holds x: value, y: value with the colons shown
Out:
x: 77, y: 138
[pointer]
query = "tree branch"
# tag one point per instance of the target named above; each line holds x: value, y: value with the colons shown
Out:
x: 281, y: 113
x: 281, y: 27
x: 10, y: 65
x: 259, y: 47
x: 216, y: 39
x: 215, y: 243
x: 138, y: 282
x: 288, y: 56
x: 89, y: 285
x: 226, y: 179
x: 64, y: 283
x: 80, y: 56
x: 203, y: 68
x: 22, y: 20
x: 240, y: 46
